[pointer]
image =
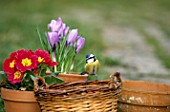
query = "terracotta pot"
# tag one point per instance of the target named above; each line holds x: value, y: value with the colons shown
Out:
x: 140, y: 96
x: 72, y: 77
x: 25, y: 101
x: 19, y: 101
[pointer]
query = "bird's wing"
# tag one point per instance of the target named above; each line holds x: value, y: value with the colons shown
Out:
x: 97, y: 65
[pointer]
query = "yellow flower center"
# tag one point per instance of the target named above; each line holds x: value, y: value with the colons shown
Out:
x: 11, y: 65
x: 26, y: 62
x: 40, y: 59
x: 17, y: 75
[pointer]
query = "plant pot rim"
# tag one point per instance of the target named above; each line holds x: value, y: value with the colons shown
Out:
x: 74, y: 74
x: 145, y: 87
x: 17, y: 95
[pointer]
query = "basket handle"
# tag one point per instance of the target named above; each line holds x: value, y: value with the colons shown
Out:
x: 115, y: 80
x: 39, y: 83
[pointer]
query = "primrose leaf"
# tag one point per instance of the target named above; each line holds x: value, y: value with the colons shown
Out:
x: 55, y: 73
x: 43, y: 72
x: 3, y: 77
x: 32, y: 77
x: 52, y: 80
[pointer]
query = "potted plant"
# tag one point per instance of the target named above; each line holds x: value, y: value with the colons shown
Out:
x: 63, y: 44
x: 17, y: 77
x: 60, y: 47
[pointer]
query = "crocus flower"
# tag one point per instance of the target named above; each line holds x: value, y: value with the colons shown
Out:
x: 72, y: 36
x: 65, y: 31
x: 61, y: 30
x: 80, y: 44
x: 53, y: 38
x: 55, y: 25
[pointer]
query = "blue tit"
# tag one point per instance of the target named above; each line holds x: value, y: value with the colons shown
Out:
x: 92, y: 65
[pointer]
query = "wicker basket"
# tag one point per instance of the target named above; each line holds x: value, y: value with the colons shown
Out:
x: 92, y: 96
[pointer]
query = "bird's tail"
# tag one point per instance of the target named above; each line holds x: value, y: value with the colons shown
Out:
x: 83, y: 73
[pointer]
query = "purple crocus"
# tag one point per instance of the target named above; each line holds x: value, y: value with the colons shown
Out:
x: 65, y: 31
x: 61, y: 30
x: 53, y: 38
x: 55, y: 25
x: 80, y: 44
x: 72, y: 36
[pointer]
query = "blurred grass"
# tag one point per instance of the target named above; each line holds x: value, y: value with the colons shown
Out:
x: 161, y: 53
x: 19, y: 19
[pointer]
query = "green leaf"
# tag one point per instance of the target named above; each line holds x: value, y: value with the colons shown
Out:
x: 32, y: 77
x: 27, y: 82
x: 43, y: 72
x: 40, y: 37
x: 55, y: 73
x: 13, y: 86
x: 70, y: 59
x: 62, y: 47
x: 29, y: 72
x: 3, y: 78
x: 52, y: 80
x: 2, y: 75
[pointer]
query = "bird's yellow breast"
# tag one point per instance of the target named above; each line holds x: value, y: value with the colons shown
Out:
x: 92, y: 68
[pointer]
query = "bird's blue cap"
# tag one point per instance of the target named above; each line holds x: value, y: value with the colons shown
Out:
x: 89, y: 55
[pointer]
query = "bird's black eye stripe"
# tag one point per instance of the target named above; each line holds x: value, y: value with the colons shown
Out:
x: 91, y: 57
x: 94, y: 59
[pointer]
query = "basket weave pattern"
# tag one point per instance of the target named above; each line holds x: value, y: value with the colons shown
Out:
x: 94, y: 96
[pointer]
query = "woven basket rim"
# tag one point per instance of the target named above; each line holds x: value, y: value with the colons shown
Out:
x: 51, y: 89
x: 90, y: 86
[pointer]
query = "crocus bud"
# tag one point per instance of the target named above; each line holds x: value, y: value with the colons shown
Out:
x: 65, y: 31
x: 53, y: 38
x: 61, y: 30
x: 80, y: 44
x: 72, y: 36
x: 55, y: 25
